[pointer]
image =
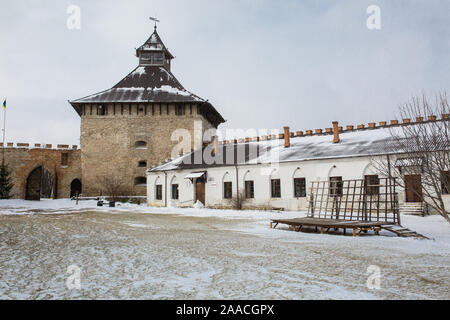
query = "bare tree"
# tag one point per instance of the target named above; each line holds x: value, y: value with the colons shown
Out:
x: 422, y: 148
x: 238, y: 200
x: 112, y: 187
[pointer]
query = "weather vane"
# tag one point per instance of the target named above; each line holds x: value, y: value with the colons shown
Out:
x: 154, y: 19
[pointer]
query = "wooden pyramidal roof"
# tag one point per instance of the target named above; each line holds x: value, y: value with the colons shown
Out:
x: 153, y: 44
x: 151, y: 84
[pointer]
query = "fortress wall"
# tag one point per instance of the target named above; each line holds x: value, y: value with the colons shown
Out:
x: 23, y: 158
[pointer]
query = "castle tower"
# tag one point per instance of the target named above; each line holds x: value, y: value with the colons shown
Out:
x: 128, y: 128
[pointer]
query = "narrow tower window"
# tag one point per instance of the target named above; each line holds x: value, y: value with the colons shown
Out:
x: 142, y: 164
x: 140, y: 181
x: 140, y: 145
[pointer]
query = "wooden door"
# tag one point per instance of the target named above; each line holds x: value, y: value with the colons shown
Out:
x: 200, y: 191
x: 413, y: 188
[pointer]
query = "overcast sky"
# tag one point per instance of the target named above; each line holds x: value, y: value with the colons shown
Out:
x: 263, y: 64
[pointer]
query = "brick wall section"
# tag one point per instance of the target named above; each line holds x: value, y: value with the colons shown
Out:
x: 22, y: 161
x: 108, y: 142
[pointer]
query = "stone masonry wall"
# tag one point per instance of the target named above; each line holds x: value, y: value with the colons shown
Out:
x: 109, y: 142
x: 22, y: 160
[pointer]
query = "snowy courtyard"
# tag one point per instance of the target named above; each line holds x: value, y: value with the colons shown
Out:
x: 139, y: 252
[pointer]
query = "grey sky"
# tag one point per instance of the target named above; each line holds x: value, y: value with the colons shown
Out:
x: 263, y: 64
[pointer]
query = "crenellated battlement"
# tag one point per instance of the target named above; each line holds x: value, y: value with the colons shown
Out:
x: 22, y: 145
x: 348, y: 128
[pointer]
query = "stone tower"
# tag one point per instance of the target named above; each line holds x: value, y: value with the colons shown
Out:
x: 128, y: 128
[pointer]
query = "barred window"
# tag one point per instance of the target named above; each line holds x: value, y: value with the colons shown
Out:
x: 335, y: 186
x: 299, y: 187
x: 276, y: 188
x: 249, y: 189
x: 371, y: 185
x: 175, y: 191
x: 158, y: 192
x: 227, y: 190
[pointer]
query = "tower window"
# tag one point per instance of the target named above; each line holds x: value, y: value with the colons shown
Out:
x: 142, y: 164
x: 140, y: 181
x: 64, y: 159
x: 140, y: 145
x: 152, y: 58
x: 101, y: 111
x: 179, y: 110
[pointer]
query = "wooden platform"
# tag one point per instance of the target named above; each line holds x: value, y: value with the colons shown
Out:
x: 325, y: 225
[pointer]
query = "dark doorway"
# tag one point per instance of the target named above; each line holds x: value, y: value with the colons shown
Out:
x: 75, y: 188
x: 413, y: 188
x: 200, y: 191
x: 40, y: 184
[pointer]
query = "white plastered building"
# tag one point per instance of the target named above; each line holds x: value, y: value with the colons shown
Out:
x: 276, y: 171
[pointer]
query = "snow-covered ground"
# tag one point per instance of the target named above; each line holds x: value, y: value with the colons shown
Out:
x: 138, y: 252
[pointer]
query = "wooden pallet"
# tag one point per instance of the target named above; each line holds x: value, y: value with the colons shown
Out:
x: 403, y: 232
x: 358, y: 227
x: 324, y: 225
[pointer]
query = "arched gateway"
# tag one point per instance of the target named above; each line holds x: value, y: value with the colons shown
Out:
x: 40, y: 184
x: 75, y: 188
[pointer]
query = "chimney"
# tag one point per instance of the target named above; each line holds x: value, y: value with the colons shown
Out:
x: 336, y: 132
x: 287, y: 137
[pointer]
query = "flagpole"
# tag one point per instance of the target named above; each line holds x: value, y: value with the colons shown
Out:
x: 4, y: 130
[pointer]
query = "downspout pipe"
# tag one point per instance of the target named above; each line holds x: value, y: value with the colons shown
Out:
x: 237, y: 182
x: 165, y: 189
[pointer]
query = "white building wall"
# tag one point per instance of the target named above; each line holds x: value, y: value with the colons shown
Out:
x: 313, y: 170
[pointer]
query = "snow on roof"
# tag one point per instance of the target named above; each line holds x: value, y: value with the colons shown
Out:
x: 154, y: 43
x: 352, y: 144
x: 144, y: 84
